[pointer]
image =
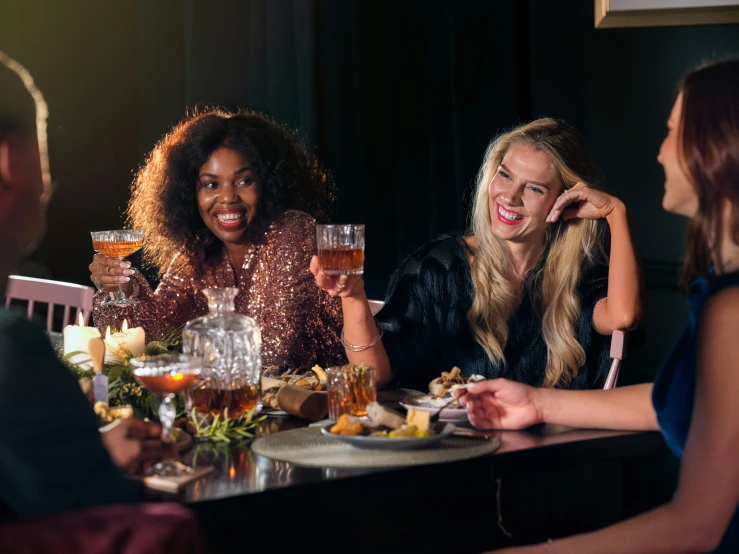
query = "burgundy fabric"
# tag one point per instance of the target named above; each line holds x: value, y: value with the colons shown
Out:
x: 113, y: 529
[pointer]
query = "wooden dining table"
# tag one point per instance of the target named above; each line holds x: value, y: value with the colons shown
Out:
x: 543, y: 482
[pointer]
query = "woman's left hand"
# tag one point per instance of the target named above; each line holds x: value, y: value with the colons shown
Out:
x: 583, y: 202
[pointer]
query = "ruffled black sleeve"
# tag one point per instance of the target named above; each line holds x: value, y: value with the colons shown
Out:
x: 425, y: 308
x: 593, y: 287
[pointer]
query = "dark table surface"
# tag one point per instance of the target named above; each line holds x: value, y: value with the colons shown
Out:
x: 542, y: 482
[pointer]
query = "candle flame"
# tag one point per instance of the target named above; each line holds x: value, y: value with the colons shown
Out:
x: 178, y: 376
x: 232, y: 472
x: 81, y: 319
x: 124, y: 328
x: 107, y: 333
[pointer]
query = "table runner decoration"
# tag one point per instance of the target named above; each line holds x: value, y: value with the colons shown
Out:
x: 308, y: 447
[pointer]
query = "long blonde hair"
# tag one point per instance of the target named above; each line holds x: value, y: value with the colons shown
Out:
x: 569, y: 246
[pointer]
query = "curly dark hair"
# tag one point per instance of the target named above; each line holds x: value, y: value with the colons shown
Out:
x: 164, y: 203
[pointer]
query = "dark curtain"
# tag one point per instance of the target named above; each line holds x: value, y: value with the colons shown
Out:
x: 398, y: 99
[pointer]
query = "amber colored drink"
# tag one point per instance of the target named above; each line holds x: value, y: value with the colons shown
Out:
x: 238, y: 401
x: 350, y: 391
x: 169, y: 383
x: 117, y: 249
x: 341, y: 260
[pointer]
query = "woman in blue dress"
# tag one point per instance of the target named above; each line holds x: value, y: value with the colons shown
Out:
x: 694, y: 399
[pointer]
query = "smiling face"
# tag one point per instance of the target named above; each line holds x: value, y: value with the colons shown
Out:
x: 228, y: 193
x: 680, y: 196
x: 521, y: 195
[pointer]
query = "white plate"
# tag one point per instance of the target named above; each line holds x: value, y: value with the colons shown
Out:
x: 447, y: 414
x: 387, y: 443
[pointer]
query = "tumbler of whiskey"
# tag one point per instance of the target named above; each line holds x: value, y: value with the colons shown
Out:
x: 351, y: 388
x: 340, y: 249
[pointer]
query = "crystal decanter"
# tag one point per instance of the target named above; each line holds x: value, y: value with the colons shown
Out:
x: 229, y: 345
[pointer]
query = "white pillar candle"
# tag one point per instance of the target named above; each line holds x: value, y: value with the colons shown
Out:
x: 126, y: 340
x: 76, y: 339
x: 113, y: 350
x: 134, y: 340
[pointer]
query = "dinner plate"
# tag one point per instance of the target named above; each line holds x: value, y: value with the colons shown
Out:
x: 447, y: 414
x: 387, y: 443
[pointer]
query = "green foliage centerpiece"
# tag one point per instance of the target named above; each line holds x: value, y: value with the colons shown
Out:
x: 124, y: 390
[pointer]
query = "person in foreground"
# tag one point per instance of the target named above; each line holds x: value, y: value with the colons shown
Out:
x: 694, y: 398
x: 527, y: 295
x: 229, y: 200
x: 52, y: 456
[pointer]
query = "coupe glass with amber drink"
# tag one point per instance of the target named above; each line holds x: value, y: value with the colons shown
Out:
x: 118, y: 245
x: 167, y: 375
x: 340, y: 249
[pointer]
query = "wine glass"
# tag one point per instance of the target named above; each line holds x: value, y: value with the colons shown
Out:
x: 118, y: 244
x: 167, y: 375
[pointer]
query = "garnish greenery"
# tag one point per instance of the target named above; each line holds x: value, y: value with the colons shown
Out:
x: 222, y: 428
x: 122, y: 386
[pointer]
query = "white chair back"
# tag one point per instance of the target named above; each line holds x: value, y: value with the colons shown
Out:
x: 53, y: 293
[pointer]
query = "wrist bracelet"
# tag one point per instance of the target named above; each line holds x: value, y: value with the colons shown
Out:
x: 359, y: 348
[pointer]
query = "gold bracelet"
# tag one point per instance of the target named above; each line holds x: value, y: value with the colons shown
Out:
x: 359, y: 348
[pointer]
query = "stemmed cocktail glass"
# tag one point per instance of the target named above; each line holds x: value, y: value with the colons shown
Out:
x: 118, y: 244
x: 167, y: 375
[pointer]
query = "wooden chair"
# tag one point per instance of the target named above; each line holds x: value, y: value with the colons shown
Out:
x: 376, y: 306
x: 53, y: 293
x: 618, y: 353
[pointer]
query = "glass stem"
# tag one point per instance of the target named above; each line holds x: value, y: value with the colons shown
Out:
x: 167, y: 413
x: 121, y: 294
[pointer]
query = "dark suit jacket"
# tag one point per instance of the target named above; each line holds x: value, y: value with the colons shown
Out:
x: 51, y: 455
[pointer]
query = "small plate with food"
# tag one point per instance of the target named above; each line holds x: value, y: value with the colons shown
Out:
x: 388, y: 430
x: 441, y: 391
x: 430, y: 404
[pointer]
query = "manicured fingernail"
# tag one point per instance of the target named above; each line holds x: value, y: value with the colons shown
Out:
x: 127, y: 272
x: 125, y: 265
x: 124, y: 279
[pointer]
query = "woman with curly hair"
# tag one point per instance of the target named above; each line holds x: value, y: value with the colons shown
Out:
x: 229, y: 200
x: 527, y: 295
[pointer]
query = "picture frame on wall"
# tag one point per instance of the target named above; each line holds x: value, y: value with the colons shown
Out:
x: 662, y: 13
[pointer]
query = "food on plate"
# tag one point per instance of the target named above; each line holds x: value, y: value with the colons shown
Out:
x: 346, y: 426
x: 450, y: 381
x: 108, y: 414
x: 385, y: 417
x: 274, y: 378
x: 386, y: 423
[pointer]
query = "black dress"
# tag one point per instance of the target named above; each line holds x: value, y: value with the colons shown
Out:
x: 425, y: 327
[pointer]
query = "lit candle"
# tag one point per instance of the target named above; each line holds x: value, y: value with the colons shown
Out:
x: 76, y: 339
x: 135, y: 339
x: 113, y: 348
x: 125, y: 340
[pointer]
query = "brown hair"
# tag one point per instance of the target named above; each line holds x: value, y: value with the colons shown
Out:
x: 709, y: 148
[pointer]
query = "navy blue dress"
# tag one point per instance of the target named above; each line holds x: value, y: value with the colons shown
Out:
x: 674, y: 387
x: 425, y: 326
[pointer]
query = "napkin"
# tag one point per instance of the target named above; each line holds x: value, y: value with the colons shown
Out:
x: 302, y: 402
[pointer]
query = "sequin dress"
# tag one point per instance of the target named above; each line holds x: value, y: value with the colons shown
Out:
x: 300, y: 323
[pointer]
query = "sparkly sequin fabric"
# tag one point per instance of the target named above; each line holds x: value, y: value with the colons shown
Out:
x: 300, y: 323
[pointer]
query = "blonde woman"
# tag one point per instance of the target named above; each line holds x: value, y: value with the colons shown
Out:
x: 527, y: 295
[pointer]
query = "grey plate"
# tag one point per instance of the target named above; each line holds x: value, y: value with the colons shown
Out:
x: 384, y: 443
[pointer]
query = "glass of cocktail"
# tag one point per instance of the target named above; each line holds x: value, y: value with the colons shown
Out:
x: 118, y: 245
x: 167, y: 375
